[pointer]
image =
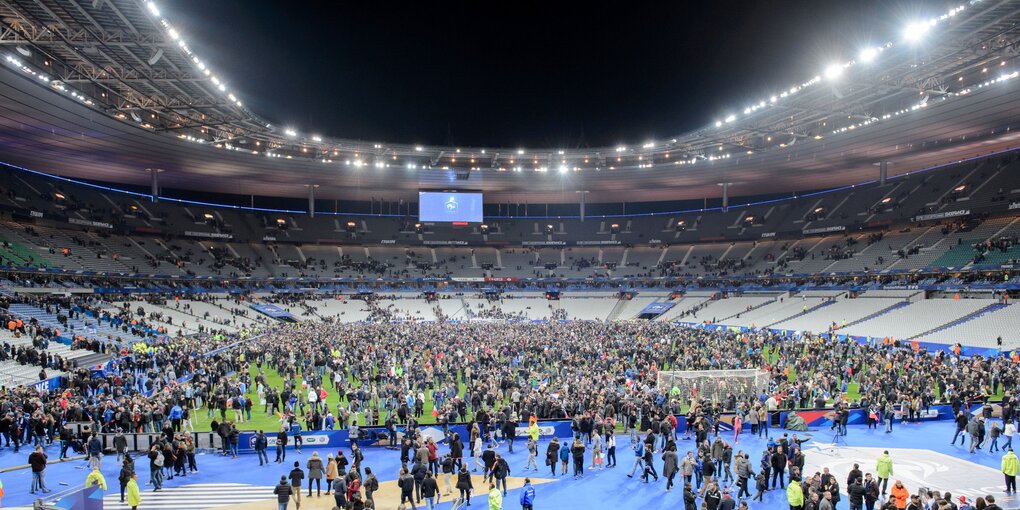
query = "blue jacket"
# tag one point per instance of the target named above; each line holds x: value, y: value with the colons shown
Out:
x: 564, y: 452
x: 527, y: 495
x: 176, y: 413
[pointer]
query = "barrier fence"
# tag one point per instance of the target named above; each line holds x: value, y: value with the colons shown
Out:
x: 372, y: 436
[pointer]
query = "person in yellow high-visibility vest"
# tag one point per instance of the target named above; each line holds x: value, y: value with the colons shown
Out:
x: 1010, y: 468
x: 96, y: 478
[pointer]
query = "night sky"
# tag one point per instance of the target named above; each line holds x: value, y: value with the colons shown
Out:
x: 521, y: 73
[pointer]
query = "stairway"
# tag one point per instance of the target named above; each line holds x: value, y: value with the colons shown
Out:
x: 823, y: 304
x: 986, y: 310
x: 883, y: 311
x: 614, y: 314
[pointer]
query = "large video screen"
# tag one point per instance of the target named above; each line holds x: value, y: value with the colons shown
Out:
x: 444, y: 206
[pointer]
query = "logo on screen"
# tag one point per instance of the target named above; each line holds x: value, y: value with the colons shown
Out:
x: 451, y: 204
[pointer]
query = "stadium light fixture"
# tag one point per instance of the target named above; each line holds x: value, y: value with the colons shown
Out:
x: 290, y: 132
x: 153, y: 9
x: 833, y: 72
x: 868, y: 54
x: 730, y: 118
x: 917, y: 29
x: 563, y: 169
x: 316, y: 138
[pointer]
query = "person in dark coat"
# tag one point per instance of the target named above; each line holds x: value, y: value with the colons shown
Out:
x: 464, y: 484
x: 283, y: 491
x: 670, y: 463
x: 430, y: 489
x: 856, y: 492
x: 552, y: 452
x: 406, y: 484
x: 457, y: 450
x: 126, y: 471
x: 690, y: 498
x: 418, y: 472
x: 510, y: 433
x: 778, y: 467
x: 870, y: 492
x: 712, y: 496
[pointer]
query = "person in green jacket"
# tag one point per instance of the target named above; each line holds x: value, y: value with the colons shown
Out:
x: 495, y: 498
x: 1010, y: 467
x: 884, y: 469
x: 134, y: 495
x: 795, y: 494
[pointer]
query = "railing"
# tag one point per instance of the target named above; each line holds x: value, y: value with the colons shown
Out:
x: 53, y: 501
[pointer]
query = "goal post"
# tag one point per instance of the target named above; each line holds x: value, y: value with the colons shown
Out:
x: 713, y: 385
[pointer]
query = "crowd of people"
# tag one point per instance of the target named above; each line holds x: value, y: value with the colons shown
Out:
x: 493, y: 375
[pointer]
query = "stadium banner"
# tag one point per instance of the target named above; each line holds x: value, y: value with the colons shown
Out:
x: 89, y: 223
x: 445, y: 243
x: 208, y: 235
x: 544, y: 243
x: 370, y: 435
x: 272, y: 310
x: 823, y: 230
x: 823, y: 417
x: 51, y: 384
x: 37, y: 214
x: 597, y: 243
x: 766, y: 235
x: 657, y: 307
x: 1012, y: 206
x: 942, y: 215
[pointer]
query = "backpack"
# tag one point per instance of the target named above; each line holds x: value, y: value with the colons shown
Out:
x: 159, y: 459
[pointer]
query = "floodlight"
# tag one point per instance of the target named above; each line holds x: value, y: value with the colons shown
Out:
x: 868, y: 54
x: 833, y: 71
x: 916, y: 30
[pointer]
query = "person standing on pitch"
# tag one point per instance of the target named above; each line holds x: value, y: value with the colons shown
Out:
x: 37, y: 460
x: 283, y: 491
x: 884, y: 469
x: 1010, y: 467
x: 527, y: 495
x: 96, y: 478
x: 134, y: 494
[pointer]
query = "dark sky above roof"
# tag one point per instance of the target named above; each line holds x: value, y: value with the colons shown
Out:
x: 540, y: 74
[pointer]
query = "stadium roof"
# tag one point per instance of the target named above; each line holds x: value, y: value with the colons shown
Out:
x: 105, y: 89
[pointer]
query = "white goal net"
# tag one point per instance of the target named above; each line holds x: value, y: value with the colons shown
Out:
x: 714, y: 385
